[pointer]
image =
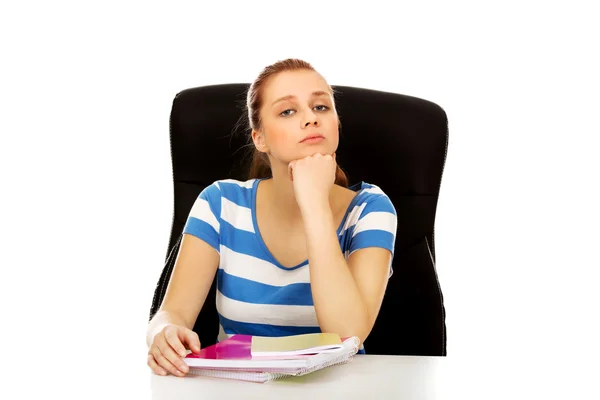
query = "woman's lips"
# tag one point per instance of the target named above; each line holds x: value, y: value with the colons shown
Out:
x: 313, y: 139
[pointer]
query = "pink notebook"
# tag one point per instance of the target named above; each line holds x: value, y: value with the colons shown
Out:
x: 232, y: 358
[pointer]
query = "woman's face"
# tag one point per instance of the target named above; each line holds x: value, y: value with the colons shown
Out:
x: 298, y: 117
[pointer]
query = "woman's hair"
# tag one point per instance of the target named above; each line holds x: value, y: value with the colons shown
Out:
x: 259, y: 166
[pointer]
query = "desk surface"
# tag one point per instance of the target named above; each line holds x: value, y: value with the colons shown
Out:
x: 366, y: 376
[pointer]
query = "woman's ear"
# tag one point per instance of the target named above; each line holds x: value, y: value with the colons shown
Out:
x: 259, y: 141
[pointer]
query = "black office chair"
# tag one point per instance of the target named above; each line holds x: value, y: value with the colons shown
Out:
x: 394, y: 141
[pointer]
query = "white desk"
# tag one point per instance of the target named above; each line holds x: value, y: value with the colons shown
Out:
x: 365, y: 377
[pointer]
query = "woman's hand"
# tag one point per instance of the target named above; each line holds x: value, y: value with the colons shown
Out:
x: 169, y: 348
x: 313, y: 178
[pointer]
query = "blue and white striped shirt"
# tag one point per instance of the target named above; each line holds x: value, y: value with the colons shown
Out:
x: 256, y: 295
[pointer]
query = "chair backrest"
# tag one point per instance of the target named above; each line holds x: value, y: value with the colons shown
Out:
x: 394, y: 141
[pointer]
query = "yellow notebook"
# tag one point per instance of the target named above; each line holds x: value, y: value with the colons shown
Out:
x: 312, y: 343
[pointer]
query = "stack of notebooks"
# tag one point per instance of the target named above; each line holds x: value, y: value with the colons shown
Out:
x: 262, y: 359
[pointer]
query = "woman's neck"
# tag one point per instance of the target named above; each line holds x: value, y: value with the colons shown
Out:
x: 280, y: 196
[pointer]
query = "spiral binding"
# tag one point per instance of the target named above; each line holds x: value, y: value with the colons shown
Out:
x: 343, y: 358
x: 316, y: 363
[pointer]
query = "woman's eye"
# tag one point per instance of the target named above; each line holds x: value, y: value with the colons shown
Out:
x: 287, y: 114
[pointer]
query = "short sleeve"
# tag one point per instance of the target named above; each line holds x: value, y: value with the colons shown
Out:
x: 204, y: 218
x: 376, y: 225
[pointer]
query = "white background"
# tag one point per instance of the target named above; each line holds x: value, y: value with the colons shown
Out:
x: 87, y: 202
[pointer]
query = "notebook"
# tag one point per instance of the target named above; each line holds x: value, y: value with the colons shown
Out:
x: 282, y: 357
x: 310, y: 343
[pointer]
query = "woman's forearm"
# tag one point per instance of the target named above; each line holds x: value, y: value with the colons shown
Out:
x: 338, y: 303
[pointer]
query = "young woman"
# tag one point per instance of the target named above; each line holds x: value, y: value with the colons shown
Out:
x: 295, y: 251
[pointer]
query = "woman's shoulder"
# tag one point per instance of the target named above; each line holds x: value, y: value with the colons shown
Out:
x: 371, y: 197
x: 228, y: 187
x: 235, y: 192
x: 234, y: 183
x: 366, y: 189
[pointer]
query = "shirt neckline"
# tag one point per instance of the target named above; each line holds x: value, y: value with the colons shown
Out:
x: 357, y: 187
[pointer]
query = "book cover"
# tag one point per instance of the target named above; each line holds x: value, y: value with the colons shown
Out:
x: 311, y: 343
x: 235, y: 353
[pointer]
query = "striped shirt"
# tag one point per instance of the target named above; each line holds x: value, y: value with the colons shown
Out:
x: 256, y: 295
